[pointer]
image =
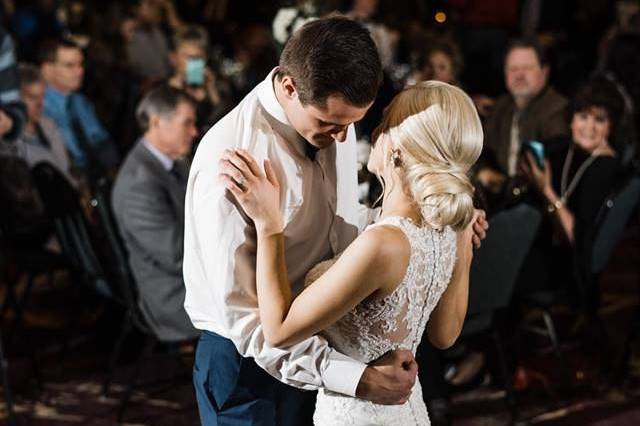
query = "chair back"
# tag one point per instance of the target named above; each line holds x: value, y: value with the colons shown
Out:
x: 62, y: 204
x: 119, y: 267
x: 497, y: 263
x: 613, y: 218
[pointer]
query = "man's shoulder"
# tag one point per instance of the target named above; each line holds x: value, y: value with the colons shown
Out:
x: 550, y: 101
x: 240, y: 128
x: 503, y: 104
x: 137, y: 169
x: 81, y: 100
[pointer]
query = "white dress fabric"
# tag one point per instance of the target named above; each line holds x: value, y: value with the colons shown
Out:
x: 375, y: 327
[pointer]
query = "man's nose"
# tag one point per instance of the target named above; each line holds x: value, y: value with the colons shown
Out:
x: 341, y: 136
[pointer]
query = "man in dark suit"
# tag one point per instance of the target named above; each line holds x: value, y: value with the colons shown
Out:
x: 532, y: 110
x: 148, y: 201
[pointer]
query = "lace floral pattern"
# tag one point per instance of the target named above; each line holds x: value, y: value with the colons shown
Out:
x: 375, y: 327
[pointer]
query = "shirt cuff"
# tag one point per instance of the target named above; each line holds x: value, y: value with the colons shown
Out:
x: 342, y: 374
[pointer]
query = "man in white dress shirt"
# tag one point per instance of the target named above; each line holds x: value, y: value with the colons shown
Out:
x: 328, y: 77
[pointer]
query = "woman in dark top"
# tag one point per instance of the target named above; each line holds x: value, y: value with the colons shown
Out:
x: 577, y: 178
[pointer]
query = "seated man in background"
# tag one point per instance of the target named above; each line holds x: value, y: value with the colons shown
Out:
x: 88, y: 142
x: 41, y: 139
x: 532, y: 110
x: 148, y: 201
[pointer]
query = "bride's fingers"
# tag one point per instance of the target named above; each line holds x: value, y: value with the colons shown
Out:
x: 239, y: 163
x: 250, y: 161
x: 227, y: 168
x: 233, y: 186
x: 271, y: 174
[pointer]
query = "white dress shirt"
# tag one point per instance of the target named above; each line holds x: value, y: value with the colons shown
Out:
x: 321, y: 214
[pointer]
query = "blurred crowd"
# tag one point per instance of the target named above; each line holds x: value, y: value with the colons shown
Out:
x: 88, y: 86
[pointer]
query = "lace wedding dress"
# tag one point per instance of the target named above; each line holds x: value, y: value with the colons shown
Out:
x: 375, y: 327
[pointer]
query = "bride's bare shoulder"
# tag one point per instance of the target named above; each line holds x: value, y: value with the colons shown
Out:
x: 391, y: 250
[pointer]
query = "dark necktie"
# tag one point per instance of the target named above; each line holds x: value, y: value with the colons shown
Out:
x: 92, y: 165
x: 78, y: 130
x: 177, y: 173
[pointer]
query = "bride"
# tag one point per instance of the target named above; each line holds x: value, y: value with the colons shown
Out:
x: 407, y: 271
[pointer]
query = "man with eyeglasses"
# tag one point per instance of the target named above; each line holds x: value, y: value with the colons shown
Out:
x: 62, y: 65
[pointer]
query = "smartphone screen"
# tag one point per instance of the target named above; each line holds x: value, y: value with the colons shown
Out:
x: 194, y: 75
x: 537, y: 149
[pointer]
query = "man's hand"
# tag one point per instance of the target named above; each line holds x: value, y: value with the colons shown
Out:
x: 389, y: 379
x: 480, y: 226
x: 6, y: 123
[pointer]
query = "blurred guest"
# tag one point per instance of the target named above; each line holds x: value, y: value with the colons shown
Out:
x: 88, y: 142
x: 147, y: 45
x: 33, y: 22
x: 254, y: 55
x: 41, y: 139
x: 574, y: 182
x: 441, y: 61
x: 195, y: 77
x: 532, y: 110
x: 12, y: 113
x: 365, y: 11
x: 22, y: 217
x: 148, y: 201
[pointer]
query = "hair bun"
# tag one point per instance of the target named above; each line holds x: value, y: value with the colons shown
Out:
x: 445, y: 195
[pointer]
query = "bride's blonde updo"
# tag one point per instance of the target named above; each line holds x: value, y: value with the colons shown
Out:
x: 436, y: 136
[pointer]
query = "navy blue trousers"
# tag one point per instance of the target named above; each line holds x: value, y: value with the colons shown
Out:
x: 233, y: 391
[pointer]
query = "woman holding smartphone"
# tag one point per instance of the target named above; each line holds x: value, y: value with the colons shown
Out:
x: 192, y: 75
x: 575, y: 181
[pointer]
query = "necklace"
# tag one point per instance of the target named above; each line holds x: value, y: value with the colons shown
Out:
x: 567, y: 190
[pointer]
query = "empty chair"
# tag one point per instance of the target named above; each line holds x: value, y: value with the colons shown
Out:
x: 494, y: 271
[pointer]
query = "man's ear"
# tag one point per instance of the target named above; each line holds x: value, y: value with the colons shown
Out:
x: 288, y: 87
x: 154, y: 121
x: 545, y: 71
x: 45, y: 69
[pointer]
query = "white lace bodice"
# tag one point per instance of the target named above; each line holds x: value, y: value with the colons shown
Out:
x: 375, y: 327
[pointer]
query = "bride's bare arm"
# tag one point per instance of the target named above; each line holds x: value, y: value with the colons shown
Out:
x: 377, y: 259
x: 447, y: 319
x: 369, y: 264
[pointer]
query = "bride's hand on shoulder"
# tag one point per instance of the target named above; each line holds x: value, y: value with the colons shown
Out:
x: 257, y: 192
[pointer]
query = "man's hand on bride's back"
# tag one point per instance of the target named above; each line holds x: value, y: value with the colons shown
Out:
x: 389, y: 379
x: 257, y: 192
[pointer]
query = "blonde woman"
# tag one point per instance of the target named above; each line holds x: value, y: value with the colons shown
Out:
x: 407, y: 271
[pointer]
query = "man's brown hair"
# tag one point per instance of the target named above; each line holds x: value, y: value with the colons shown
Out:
x: 332, y: 56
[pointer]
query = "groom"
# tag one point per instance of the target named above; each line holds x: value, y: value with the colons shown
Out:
x: 328, y: 76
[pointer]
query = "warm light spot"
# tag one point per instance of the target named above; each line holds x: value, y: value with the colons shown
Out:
x: 579, y: 375
x: 440, y: 17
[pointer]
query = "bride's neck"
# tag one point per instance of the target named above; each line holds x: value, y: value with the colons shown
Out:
x: 396, y: 202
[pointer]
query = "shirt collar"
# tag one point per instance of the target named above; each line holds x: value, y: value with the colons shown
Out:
x: 276, y: 115
x: 56, y: 96
x: 165, y: 161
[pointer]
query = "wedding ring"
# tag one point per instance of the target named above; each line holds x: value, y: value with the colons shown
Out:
x: 241, y: 181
